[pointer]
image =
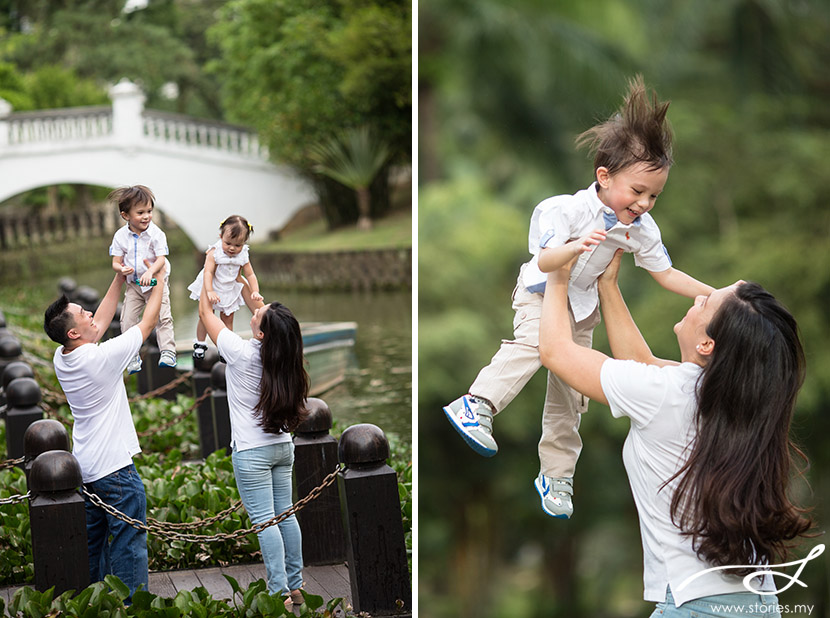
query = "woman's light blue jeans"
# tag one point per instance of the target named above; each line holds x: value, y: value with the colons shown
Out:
x: 126, y: 555
x: 263, y: 476
x: 737, y: 605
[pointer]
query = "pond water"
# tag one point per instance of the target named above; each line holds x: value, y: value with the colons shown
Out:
x: 377, y: 387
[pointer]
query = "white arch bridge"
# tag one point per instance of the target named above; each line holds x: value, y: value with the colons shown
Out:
x: 200, y: 171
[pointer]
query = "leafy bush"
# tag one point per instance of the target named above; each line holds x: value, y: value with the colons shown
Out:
x: 107, y: 599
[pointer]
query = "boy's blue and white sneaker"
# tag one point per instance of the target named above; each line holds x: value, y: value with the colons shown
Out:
x: 556, y: 494
x: 167, y: 358
x: 473, y: 419
x: 135, y: 365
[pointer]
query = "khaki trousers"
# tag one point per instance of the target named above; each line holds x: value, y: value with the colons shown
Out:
x: 517, y: 361
x: 134, y: 302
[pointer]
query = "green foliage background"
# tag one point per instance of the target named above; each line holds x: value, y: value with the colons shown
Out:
x: 504, y: 87
x: 298, y: 71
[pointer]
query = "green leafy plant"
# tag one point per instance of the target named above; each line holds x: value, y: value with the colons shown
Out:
x: 106, y: 599
x: 353, y: 158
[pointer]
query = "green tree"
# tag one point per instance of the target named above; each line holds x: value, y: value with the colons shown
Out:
x: 300, y: 70
x: 353, y: 157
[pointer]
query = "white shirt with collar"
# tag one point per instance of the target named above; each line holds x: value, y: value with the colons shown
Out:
x: 242, y: 377
x: 135, y: 248
x: 103, y: 435
x: 661, y: 403
x: 562, y: 218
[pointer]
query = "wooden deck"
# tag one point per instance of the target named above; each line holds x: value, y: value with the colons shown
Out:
x: 328, y: 582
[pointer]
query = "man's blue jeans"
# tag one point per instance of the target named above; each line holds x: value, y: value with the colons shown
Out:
x: 263, y: 476
x: 125, y: 554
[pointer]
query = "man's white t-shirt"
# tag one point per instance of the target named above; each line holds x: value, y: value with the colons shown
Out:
x: 103, y: 435
x: 661, y: 403
x: 242, y: 377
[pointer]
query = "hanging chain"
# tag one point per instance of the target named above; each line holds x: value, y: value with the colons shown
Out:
x: 179, y: 418
x: 163, y: 389
x: 165, y: 532
x: 192, y: 525
x: 11, y: 463
x: 16, y: 499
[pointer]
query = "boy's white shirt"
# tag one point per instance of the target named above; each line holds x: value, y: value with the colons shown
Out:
x: 150, y: 244
x: 562, y: 218
x: 103, y: 435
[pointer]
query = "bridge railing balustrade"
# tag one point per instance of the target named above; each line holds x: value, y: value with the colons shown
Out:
x: 79, y: 123
x: 179, y: 129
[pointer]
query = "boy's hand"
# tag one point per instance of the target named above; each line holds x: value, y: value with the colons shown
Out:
x: 588, y: 242
x: 126, y: 270
x: 213, y: 297
x: 145, y: 279
x: 256, y: 296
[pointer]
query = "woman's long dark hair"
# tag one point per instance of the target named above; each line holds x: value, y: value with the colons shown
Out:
x: 284, y: 385
x: 732, y: 494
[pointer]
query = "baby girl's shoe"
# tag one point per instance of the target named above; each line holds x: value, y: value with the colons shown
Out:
x: 135, y: 365
x: 199, y: 350
x: 556, y: 494
x: 167, y: 358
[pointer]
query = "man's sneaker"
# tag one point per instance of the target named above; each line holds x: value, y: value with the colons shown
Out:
x: 556, y: 494
x: 167, y: 358
x: 473, y: 419
x: 135, y: 365
x: 199, y: 350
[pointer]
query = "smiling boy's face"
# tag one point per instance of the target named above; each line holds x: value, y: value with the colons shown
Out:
x: 632, y: 191
x: 139, y: 217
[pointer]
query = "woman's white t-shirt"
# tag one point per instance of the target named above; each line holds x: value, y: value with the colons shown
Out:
x: 661, y: 403
x: 103, y: 435
x: 243, y: 376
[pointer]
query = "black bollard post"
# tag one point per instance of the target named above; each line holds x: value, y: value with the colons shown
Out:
x: 58, y: 523
x: 201, y: 382
x: 43, y: 435
x: 156, y: 376
x: 114, y: 329
x: 371, y: 508
x: 23, y: 395
x: 220, y: 417
x: 67, y: 286
x: 88, y: 298
x: 10, y: 350
x: 315, y: 456
x: 15, y: 369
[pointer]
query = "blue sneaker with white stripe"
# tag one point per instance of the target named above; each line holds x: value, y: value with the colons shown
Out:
x: 473, y: 419
x: 556, y: 494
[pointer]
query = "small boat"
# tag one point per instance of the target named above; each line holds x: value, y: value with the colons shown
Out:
x: 328, y: 349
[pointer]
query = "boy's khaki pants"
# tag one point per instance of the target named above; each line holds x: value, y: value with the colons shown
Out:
x: 134, y: 302
x: 517, y: 361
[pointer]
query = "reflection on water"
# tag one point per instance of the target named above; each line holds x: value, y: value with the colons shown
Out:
x: 378, y: 385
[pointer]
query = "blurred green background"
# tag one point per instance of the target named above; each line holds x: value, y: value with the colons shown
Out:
x: 504, y: 88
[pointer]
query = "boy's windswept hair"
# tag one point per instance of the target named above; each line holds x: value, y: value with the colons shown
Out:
x: 127, y: 197
x: 638, y: 132
x: 57, y: 321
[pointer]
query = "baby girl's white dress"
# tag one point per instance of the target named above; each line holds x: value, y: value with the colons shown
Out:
x: 224, y: 279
